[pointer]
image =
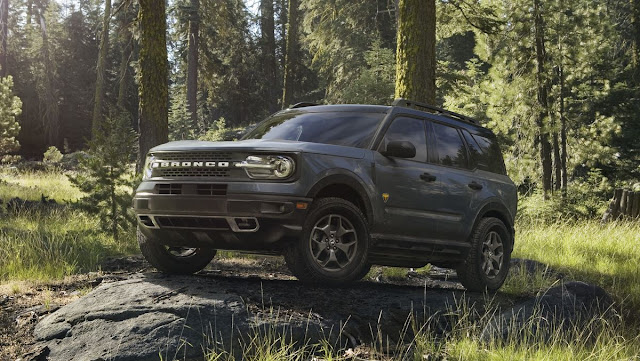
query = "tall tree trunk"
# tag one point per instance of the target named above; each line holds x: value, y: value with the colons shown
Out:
x: 416, y: 53
x: 563, y: 135
x: 291, y: 57
x: 49, y: 101
x: 267, y: 29
x: 126, y: 49
x: 4, y: 26
x: 96, y: 124
x: 543, y: 99
x: 154, y: 78
x: 557, y: 163
x: 192, y: 62
x: 635, y: 24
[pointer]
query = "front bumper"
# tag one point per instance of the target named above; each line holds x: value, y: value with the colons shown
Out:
x: 234, y: 221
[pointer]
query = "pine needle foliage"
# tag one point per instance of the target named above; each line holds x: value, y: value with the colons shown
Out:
x: 106, y: 176
x: 10, y: 107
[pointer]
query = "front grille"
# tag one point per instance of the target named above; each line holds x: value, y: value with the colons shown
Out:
x: 208, y: 156
x: 193, y: 222
x: 190, y: 172
x: 194, y: 156
x: 171, y: 188
x: 211, y: 189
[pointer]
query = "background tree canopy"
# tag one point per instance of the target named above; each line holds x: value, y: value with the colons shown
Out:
x: 557, y: 80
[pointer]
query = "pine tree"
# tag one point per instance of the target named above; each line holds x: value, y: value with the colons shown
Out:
x: 291, y: 58
x: 100, y: 70
x: 10, y: 108
x: 106, y: 177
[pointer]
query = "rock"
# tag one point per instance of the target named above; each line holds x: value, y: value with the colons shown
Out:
x: 566, y: 306
x: 151, y: 314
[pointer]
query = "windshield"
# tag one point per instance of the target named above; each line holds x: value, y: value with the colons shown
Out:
x: 352, y: 129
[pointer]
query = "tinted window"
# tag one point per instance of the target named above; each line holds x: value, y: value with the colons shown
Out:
x: 340, y: 128
x: 490, y: 158
x: 450, y: 148
x: 411, y: 130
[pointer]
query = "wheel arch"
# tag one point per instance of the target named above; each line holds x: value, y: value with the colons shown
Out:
x: 499, y: 211
x: 345, y: 186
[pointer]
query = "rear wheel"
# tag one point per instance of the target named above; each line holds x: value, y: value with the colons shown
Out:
x: 487, y: 264
x: 174, y: 260
x: 334, y: 244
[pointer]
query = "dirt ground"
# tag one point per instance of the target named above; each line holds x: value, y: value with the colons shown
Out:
x: 23, y: 304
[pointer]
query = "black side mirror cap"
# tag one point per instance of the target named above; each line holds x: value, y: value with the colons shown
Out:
x: 400, y: 149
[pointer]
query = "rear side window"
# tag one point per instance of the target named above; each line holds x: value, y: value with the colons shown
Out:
x: 485, y: 153
x: 352, y: 129
x: 449, y: 146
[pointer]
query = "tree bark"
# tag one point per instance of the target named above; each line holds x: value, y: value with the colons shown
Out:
x: 49, y: 111
x: 563, y: 136
x: 267, y: 29
x: 96, y: 126
x: 543, y: 100
x: 4, y: 18
x: 291, y: 57
x: 557, y: 163
x: 126, y: 48
x: 416, y: 52
x: 192, y: 62
x: 154, y: 77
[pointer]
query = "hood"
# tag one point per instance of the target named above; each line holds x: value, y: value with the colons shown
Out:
x: 259, y: 145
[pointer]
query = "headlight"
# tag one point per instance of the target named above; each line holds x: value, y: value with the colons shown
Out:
x: 268, y: 166
x: 147, y: 170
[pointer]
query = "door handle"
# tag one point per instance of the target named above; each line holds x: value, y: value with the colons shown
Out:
x: 427, y: 177
x: 475, y: 186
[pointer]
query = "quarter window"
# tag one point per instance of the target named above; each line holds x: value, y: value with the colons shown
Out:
x: 411, y: 130
x: 450, y: 148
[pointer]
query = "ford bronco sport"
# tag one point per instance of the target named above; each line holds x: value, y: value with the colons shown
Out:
x: 336, y: 189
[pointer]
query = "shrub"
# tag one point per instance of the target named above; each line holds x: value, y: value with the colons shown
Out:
x: 52, y: 156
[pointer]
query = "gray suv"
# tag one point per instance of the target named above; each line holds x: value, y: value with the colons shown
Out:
x: 336, y: 189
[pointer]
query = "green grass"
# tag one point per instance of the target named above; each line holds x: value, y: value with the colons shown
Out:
x: 32, y: 185
x: 48, y: 243
x: 606, y: 255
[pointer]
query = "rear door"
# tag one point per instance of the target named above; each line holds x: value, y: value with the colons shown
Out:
x: 460, y: 186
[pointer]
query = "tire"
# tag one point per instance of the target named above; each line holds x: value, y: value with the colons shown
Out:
x: 487, y: 264
x: 174, y: 260
x: 334, y: 246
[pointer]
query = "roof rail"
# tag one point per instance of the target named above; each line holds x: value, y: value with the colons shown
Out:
x: 401, y: 102
x: 303, y: 105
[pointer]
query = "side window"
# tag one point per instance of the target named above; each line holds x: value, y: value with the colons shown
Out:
x: 450, y: 148
x: 491, y: 158
x: 411, y: 130
x: 476, y: 156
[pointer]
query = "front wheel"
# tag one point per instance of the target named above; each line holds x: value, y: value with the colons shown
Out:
x: 174, y: 260
x: 487, y: 264
x: 334, y: 245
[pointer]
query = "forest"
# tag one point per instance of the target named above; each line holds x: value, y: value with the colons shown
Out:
x: 87, y: 87
x: 557, y: 81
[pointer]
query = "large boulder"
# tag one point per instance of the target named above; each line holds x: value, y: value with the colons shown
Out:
x: 152, y: 314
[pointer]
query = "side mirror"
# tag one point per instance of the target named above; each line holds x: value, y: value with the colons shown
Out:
x: 399, y: 149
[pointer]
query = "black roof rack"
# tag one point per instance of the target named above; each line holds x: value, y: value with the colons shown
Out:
x: 400, y: 102
x: 303, y: 105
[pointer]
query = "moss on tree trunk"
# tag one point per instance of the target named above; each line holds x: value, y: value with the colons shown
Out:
x: 416, y: 52
x: 153, y: 75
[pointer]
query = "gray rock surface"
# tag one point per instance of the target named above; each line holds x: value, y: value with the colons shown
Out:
x: 566, y: 306
x: 152, y: 314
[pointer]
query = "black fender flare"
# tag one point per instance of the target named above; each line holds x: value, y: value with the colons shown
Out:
x: 495, y: 207
x: 350, y: 179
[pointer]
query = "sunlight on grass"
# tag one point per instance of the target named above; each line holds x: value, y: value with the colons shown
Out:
x: 606, y: 255
x: 33, y: 185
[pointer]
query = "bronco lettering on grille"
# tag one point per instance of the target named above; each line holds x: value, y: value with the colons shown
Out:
x: 161, y: 164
